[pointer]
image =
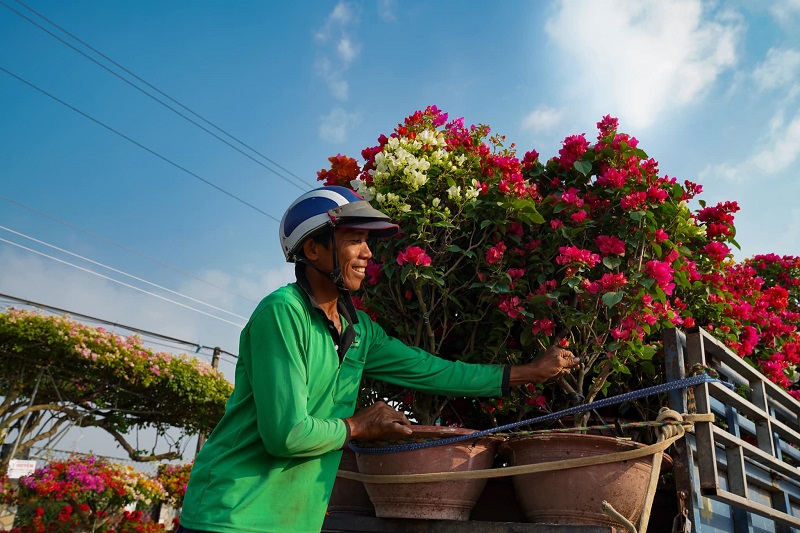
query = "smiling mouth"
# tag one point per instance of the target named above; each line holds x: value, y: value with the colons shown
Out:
x: 360, y: 270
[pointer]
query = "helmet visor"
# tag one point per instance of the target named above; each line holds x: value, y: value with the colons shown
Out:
x: 361, y: 215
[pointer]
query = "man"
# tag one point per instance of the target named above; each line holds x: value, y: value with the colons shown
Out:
x: 270, y: 464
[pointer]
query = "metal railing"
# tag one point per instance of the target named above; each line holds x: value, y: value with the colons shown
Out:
x: 741, y: 473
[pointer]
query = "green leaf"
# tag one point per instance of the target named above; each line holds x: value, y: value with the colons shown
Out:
x: 613, y: 298
x: 647, y: 282
x: 611, y: 262
x: 486, y: 223
x: 636, y: 216
x: 584, y: 167
x: 647, y: 352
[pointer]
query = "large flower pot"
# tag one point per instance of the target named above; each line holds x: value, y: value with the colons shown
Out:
x: 440, y: 500
x: 349, y: 496
x: 574, y: 496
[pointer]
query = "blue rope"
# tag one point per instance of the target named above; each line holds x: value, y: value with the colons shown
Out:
x: 613, y: 400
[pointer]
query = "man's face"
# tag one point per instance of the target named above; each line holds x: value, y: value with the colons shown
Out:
x: 354, y: 254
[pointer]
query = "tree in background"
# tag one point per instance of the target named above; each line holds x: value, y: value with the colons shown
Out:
x: 55, y: 371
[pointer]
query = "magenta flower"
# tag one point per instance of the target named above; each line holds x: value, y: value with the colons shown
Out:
x: 495, y: 254
x: 716, y: 250
x: 413, y: 255
x: 660, y: 271
x: 608, y: 244
x: 573, y: 254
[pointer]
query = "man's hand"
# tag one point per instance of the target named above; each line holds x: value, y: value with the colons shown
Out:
x: 553, y: 363
x: 378, y: 421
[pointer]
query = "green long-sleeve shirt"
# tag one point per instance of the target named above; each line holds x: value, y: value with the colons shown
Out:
x: 270, y: 464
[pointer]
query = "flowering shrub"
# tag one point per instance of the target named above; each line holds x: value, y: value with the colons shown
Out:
x: 762, y: 320
x: 499, y: 258
x: 102, y: 379
x: 174, y: 479
x: 90, y: 493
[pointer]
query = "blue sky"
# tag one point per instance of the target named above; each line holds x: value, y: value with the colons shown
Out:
x: 709, y: 88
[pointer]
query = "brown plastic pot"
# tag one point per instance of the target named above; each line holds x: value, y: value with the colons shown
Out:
x: 574, y: 496
x: 440, y: 500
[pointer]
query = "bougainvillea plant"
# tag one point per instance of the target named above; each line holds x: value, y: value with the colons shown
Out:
x: 93, y: 377
x: 498, y: 258
x: 90, y: 492
x: 174, y: 479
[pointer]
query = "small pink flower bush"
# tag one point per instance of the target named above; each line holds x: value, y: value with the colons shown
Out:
x: 594, y: 249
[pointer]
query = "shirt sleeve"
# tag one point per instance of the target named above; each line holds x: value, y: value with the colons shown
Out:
x: 279, y: 378
x: 393, y: 361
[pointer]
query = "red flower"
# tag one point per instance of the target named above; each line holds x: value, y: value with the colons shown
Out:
x: 413, y: 255
x: 610, y: 245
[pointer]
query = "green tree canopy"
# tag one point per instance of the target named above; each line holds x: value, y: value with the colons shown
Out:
x: 55, y: 371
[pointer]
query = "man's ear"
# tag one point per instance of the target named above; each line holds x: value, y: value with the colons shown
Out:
x: 311, y: 249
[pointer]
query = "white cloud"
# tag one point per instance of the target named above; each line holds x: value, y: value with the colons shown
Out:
x: 343, y: 15
x: 785, y: 11
x: 776, y: 153
x: 336, y: 126
x: 639, y: 60
x: 542, y: 119
x: 347, y: 49
x: 386, y: 9
x: 779, y: 68
x: 334, y: 61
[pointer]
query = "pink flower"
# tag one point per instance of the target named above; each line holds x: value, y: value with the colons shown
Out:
x: 660, y: 271
x: 661, y: 235
x: 592, y: 287
x: 574, y: 147
x: 578, y: 216
x: 633, y: 201
x: 414, y: 255
x: 610, y: 245
x: 613, y: 282
x: 516, y: 273
x: 373, y: 272
x: 495, y: 254
x: 716, y: 250
x: 556, y: 223
x: 543, y: 325
x: 510, y: 306
x: 573, y: 254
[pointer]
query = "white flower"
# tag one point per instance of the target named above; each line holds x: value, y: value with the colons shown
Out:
x: 363, y: 189
x: 454, y: 192
x: 405, y: 208
x: 436, y: 202
x: 471, y: 193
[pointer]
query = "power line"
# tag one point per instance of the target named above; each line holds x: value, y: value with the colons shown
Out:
x: 130, y: 250
x: 121, y: 283
x: 121, y: 272
x: 153, y: 97
x: 143, y: 147
x: 115, y: 324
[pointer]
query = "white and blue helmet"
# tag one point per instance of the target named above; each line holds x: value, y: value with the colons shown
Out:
x: 329, y: 207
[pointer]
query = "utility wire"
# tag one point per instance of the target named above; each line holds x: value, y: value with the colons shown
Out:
x: 114, y: 324
x: 123, y: 273
x: 302, y: 188
x: 143, y: 147
x: 121, y: 283
x: 130, y: 250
